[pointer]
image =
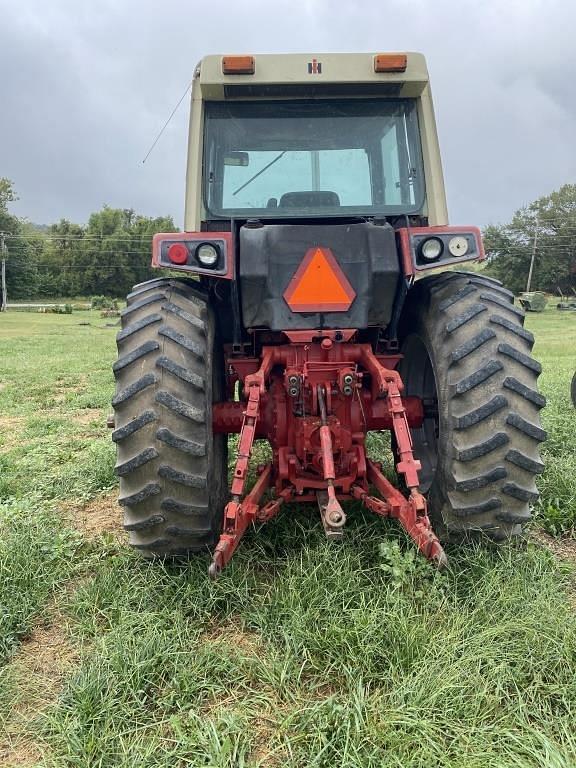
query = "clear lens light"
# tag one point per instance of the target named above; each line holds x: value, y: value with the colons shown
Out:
x: 207, y: 255
x: 458, y: 246
x: 431, y: 249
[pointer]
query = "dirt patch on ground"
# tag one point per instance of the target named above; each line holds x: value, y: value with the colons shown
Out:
x: 8, y: 423
x: 63, y: 389
x: 234, y: 637
x: 265, y: 749
x: 89, y: 415
x: 565, y: 549
x: 38, y: 670
x: 10, y: 430
x: 99, y: 516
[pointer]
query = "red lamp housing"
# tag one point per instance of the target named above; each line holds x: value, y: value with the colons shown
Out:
x: 178, y: 250
x: 412, y: 240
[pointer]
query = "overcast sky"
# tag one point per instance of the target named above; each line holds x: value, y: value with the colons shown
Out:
x: 85, y: 86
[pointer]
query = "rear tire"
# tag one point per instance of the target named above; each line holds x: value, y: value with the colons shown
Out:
x: 172, y: 469
x: 467, y: 354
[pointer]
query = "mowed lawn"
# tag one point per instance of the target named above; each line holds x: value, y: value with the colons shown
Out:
x: 303, y: 653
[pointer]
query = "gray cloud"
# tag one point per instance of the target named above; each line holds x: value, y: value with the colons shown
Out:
x: 85, y: 87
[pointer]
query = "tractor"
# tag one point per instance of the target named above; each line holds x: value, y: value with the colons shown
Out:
x: 533, y: 301
x: 317, y: 294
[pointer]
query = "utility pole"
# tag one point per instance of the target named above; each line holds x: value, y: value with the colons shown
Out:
x: 3, y: 254
x: 533, y: 255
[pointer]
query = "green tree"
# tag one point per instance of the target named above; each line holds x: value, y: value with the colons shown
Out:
x: 106, y: 257
x: 509, y: 247
x: 21, y: 255
x: 62, y: 260
x: 7, y: 195
x: 118, y: 250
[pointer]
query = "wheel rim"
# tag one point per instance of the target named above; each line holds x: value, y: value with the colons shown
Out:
x: 419, y: 381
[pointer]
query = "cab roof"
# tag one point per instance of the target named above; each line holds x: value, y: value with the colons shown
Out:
x: 301, y: 75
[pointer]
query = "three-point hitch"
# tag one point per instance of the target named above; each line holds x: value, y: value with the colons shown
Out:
x: 314, y: 400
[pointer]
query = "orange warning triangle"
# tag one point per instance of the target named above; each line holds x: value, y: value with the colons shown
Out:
x: 319, y: 284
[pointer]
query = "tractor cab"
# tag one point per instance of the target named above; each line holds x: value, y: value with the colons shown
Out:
x: 338, y: 136
x: 324, y: 169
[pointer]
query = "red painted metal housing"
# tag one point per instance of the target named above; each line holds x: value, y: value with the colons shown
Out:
x: 196, y: 237
x: 365, y: 414
x: 408, y: 256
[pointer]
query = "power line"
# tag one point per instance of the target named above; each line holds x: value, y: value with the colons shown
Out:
x: 542, y: 246
x: 564, y: 234
x: 90, y: 268
x: 118, y: 253
x: 82, y: 238
x: 564, y: 249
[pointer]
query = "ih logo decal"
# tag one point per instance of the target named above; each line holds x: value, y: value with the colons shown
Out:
x: 319, y: 284
x: 314, y: 67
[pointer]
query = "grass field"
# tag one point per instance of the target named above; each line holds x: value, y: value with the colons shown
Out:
x: 302, y: 654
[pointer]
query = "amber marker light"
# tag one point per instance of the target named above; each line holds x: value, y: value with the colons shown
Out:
x: 238, y: 65
x: 390, y: 62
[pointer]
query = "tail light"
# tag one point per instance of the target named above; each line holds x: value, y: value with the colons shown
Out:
x: 206, y: 253
x: 177, y: 253
x: 431, y: 247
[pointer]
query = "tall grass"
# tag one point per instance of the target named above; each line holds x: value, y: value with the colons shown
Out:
x: 556, y: 349
x: 325, y: 657
x: 37, y: 555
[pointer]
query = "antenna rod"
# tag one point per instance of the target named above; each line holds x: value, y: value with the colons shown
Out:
x: 166, y: 123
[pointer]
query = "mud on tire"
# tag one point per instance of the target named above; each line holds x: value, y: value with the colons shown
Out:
x: 172, y: 468
x: 468, y: 355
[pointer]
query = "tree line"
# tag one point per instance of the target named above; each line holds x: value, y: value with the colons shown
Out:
x: 112, y: 252
x: 107, y: 256
x: 545, y: 228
